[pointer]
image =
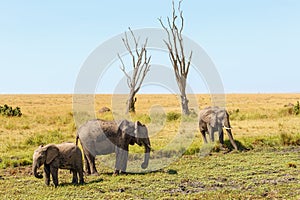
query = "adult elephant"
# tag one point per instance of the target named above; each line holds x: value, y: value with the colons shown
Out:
x: 101, y: 137
x: 212, y: 119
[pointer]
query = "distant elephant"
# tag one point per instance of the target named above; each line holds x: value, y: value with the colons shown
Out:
x: 213, y: 119
x: 100, y: 137
x: 58, y: 156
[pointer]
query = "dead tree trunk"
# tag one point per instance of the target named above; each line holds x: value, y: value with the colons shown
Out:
x: 141, y: 66
x: 177, y: 55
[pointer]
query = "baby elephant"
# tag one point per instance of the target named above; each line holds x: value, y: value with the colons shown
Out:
x: 58, y: 156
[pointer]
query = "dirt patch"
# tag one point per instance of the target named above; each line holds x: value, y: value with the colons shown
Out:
x: 17, y: 171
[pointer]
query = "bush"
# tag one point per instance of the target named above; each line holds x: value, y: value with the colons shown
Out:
x: 10, y: 112
x: 173, y: 116
x: 289, y: 139
x: 297, y: 108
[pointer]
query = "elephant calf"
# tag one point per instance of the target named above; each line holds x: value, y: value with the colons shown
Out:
x: 58, y: 156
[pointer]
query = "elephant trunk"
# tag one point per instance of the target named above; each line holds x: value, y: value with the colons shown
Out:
x: 227, y: 123
x: 147, y: 156
x: 34, y: 169
x: 228, y: 129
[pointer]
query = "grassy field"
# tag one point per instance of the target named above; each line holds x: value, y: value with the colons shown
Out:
x: 261, y: 123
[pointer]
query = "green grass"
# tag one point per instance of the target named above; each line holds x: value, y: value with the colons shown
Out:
x: 265, y: 173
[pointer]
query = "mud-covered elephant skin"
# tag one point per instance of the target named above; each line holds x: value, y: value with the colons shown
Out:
x: 101, y: 137
x: 58, y: 156
x: 212, y: 119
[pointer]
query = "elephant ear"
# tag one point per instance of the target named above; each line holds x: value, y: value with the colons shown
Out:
x: 221, y: 115
x: 52, y: 152
x: 137, y: 124
x: 126, y: 130
x: 137, y: 134
x: 209, y: 116
x: 140, y: 130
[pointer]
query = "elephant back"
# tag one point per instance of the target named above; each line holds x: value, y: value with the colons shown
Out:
x: 206, y: 114
x: 96, y: 134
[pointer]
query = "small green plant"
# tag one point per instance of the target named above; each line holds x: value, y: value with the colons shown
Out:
x: 9, y: 111
x: 289, y: 139
x: 297, y: 108
x: 173, y: 116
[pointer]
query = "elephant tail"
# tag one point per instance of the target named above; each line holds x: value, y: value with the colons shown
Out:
x: 77, y: 138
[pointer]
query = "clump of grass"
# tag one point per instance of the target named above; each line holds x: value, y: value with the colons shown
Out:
x: 290, y: 109
x: 265, y: 142
x: 143, y: 118
x: 190, y: 118
x: 241, y: 116
x: 173, y: 116
x: 45, y: 138
x: 297, y: 108
x: 283, y: 139
x: 289, y: 139
x: 15, y: 161
x: 194, y: 147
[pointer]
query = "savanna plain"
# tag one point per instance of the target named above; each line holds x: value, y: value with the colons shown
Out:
x: 265, y: 127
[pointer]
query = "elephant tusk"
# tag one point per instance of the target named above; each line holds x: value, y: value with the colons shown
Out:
x: 227, y: 128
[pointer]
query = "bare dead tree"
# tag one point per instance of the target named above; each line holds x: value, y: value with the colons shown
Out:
x: 180, y: 63
x: 141, y: 66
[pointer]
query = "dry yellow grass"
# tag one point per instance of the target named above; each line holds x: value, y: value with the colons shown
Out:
x: 41, y: 111
x: 259, y: 115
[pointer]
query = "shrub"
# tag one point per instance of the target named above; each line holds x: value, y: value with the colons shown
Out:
x: 289, y: 139
x: 10, y: 112
x: 297, y: 108
x: 173, y: 116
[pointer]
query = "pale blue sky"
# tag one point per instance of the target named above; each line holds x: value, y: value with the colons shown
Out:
x: 254, y: 44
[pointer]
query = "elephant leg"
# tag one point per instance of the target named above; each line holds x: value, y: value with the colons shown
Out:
x: 121, y: 160
x: 93, y: 166
x: 47, y: 174
x: 80, y: 174
x: 124, y: 159
x: 86, y: 165
x: 75, y: 178
x: 118, y: 161
x: 91, y: 163
x: 79, y: 171
x: 211, y: 133
x: 54, y: 173
x: 231, y: 139
x: 204, y: 136
x: 221, y: 136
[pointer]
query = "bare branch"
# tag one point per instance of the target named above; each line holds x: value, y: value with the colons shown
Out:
x: 189, y: 62
x: 140, y: 64
x: 181, y: 16
x: 122, y: 67
x: 175, y: 47
x: 126, y: 44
